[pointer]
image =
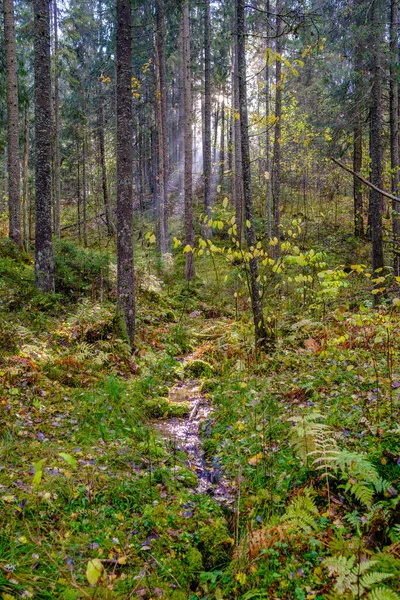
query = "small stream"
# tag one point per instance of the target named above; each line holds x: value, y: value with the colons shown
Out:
x: 185, y: 433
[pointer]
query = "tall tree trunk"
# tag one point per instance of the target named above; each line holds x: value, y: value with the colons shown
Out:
x: 78, y: 190
x: 126, y: 282
x: 44, y: 263
x: 57, y: 182
x: 276, y: 176
x: 14, y: 208
x: 84, y: 158
x: 238, y: 179
x: 162, y: 128
x: 188, y: 139
x: 359, y: 93
x: 357, y: 186
x: 261, y: 336
x: 100, y: 131
x: 25, y: 205
x: 394, y: 129
x: 84, y: 185
x: 267, y: 134
x: 222, y: 143
x: 215, y: 144
x: 376, y: 204
x: 103, y: 166
x: 207, y: 108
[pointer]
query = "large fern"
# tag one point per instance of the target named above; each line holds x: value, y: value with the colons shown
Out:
x: 383, y: 593
x: 355, y: 579
x: 302, y: 512
x: 315, y: 441
x: 306, y: 433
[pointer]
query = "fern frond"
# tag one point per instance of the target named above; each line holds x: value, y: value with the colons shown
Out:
x: 302, y: 511
x: 368, y: 580
x: 361, y: 492
x: 383, y: 593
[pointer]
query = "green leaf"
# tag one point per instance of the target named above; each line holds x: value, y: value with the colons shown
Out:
x: 94, y: 571
x: 39, y: 465
x: 37, y: 478
x: 68, y: 459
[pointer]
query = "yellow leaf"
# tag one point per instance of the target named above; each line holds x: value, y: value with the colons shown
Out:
x: 254, y: 460
x: 94, y: 571
x: 187, y: 248
x: 225, y: 202
x: 241, y: 578
x: 248, y: 224
x: 122, y: 560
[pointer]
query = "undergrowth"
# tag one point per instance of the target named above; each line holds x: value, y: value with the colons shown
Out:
x: 94, y: 503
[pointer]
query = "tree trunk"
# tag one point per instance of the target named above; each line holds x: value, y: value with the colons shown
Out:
x: 126, y: 283
x: 276, y: 176
x: 188, y: 138
x: 162, y: 129
x: 57, y: 183
x: 222, y: 143
x: 261, y: 336
x: 267, y: 134
x: 44, y: 263
x: 14, y: 208
x: 238, y: 179
x: 84, y: 186
x: 102, y: 151
x: 207, y: 108
x: 376, y: 204
x: 359, y: 93
x: 394, y: 129
x: 357, y: 186
x: 25, y: 205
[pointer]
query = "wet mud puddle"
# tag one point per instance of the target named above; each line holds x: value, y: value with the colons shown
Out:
x: 184, y: 433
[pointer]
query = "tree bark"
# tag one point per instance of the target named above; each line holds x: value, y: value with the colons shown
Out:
x: 44, y: 263
x: 162, y: 129
x: 357, y: 132
x: 261, y: 336
x: 267, y: 134
x: 100, y: 132
x: 126, y: 283
x: 238, y: 179
x: 188, y: 138
x: 357, y: 187
x: 57, y: 182
x: 207, y: 108
x: 14, y: 208
x: 103, y: 166
x: 277, y: 168
x: 394, y: 128
x: 222, y: 142
x: 376, y: 204
x: 25, y: 204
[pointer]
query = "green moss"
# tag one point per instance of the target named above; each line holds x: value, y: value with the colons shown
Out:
x: 179, y: 595
x: 213, y: 543
x: 209, y: 385
x: 187, y: 477
x: 161, y: 407
x: 199, y: 368
x: 194, y: 561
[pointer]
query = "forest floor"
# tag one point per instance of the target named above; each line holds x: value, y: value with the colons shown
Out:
x: 195, y: 469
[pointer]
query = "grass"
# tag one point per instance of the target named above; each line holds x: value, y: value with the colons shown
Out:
x: 121, y: 494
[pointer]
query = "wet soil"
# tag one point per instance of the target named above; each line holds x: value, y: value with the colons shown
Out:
x: 185, y: 434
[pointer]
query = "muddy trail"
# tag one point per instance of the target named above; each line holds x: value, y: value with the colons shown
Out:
x: 186, y: 433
